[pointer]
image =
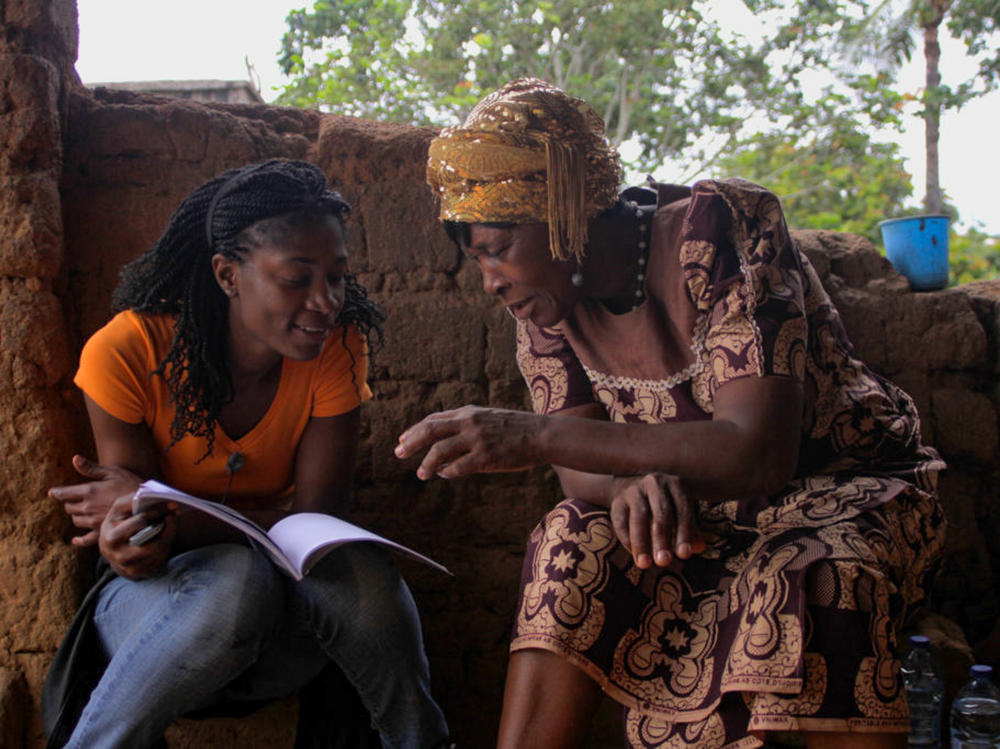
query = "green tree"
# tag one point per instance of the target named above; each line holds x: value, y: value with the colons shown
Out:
x: 674, y: 83
x: 973, y: 256
x: 665, y: 75
x: 887, y: 35
x: 641, y: 64
x: 836, y: 178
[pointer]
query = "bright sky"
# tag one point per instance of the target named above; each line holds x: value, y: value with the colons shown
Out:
x: 133, y: 40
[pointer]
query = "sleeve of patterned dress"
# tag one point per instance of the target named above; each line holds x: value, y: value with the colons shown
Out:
x: 554, y: 376
x: 748, y: 283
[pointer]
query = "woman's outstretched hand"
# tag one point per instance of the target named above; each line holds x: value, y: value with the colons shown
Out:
x: 88, y: 504
x: 120, y: 525
x: 472, y: 439
x: 655, y: 519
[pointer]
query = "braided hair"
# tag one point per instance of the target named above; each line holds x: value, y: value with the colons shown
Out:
x: 236, y: 211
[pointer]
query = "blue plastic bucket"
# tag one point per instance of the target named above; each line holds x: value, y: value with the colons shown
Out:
x: 918, y: 248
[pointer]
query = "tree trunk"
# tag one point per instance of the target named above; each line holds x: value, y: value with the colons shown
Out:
x: 933, y: 202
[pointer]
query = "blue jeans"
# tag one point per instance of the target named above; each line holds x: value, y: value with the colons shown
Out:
x: 221, y: 624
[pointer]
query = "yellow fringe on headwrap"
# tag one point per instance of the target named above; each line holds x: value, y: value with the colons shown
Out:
x: 566, y: 215
x: 527, y: 153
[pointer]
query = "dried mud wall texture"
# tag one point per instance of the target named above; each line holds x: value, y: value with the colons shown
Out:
x: 39, y: 573
x: 130, y: 159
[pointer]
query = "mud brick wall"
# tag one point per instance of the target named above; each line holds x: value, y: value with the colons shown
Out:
x: 88, y: 181
x: 39, y: 575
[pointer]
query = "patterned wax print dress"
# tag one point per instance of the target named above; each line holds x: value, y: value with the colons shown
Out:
x: 788, y: 620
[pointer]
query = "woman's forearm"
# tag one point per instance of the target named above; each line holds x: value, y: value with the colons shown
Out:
x: 711, y: 457
x: 750, y: 445
x: 745, y: 449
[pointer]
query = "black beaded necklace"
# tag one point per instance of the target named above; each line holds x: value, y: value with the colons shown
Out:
x: 645, y: 226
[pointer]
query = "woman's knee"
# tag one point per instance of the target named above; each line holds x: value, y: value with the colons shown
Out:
x: 360, y: 583
x: 574, y: 527
x: 236, y: 585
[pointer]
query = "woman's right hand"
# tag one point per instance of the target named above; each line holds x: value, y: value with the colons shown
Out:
x: 88, y: 504
x: 136, y: 562
x: 655, y: 519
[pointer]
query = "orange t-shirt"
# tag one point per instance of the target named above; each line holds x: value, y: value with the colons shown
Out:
x: 115, y: 371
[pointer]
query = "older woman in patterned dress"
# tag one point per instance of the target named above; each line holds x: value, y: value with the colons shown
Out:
x: 750, y: 513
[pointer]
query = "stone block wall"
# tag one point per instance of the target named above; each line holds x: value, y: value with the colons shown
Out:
x: 88, y: 183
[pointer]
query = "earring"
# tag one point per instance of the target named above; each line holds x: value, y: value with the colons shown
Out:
x: 577, y: 278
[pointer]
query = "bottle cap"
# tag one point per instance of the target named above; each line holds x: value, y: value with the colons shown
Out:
x: 919, y: 640
x: 981, y: 671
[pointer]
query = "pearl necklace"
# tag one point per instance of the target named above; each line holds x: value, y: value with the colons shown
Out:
x: 643, y: 245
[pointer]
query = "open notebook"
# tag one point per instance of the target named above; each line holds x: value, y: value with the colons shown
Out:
x: 295, y: 543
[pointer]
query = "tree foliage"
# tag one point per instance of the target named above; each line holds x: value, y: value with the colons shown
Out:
x: 641, y: 64
x: 886, y: 35
x: 665, y: 75
x: 681, y: 92
x: 973, y: 256
x: 838, y: 179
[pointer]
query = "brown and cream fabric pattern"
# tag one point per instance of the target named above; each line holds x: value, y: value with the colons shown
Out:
x: 788, y: 620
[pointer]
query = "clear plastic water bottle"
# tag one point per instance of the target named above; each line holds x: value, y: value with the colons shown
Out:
x: 924, y: 693
x: 975, y: 712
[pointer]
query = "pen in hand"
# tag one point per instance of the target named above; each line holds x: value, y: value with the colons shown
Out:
x: 147, y: 534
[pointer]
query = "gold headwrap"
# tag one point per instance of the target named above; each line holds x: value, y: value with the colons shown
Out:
x: 527, y: 153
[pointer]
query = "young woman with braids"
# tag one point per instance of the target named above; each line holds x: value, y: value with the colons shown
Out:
x: 234, y: 370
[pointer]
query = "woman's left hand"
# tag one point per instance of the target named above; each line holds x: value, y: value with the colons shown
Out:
x: 655, y: 519
x: 88, y: 504
x: 473, y: 439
